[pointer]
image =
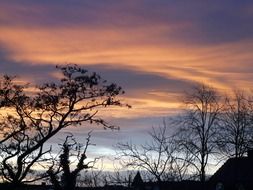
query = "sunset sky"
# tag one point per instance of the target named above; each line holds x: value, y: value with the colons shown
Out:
x: 154, y: 49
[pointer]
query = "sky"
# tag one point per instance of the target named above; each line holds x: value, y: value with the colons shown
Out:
x: 154, y: 49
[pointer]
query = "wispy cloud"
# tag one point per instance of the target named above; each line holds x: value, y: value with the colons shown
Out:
x: 153, y: 49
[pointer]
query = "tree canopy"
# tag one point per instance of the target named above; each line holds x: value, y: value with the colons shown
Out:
x: 34, y: 118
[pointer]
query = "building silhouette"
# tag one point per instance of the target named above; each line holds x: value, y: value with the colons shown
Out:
x: 234, y: 174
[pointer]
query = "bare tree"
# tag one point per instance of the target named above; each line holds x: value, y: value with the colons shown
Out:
x: 91, y: 178
x: 35, y: 118
x: 11, y: 95
x: 94, y: 177
x: 16, y: 134
x: 60, y: 173
x: 181, y: 164
x: 198, y: 127
x: 154, y: 157
x: 236, y: 130
x: 16, y: 166
x: 119, y: 177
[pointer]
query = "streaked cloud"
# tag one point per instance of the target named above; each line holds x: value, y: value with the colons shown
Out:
x: 154, y: 49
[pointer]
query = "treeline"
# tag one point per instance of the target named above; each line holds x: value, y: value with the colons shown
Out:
x: 212, y: 127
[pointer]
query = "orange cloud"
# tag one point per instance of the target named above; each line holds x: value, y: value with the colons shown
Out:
x: 142, y: 49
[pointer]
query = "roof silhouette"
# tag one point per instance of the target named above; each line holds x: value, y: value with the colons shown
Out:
x: 235, y: 172
x: 137, y: 181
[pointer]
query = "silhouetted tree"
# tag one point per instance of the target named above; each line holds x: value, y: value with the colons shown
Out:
x: 236, y: 129
x: 11, y: 96
x: 35, y: 118
x: 119, y: 178
x: 156, y: 156
x: 181, y: 163
x: 16, y: 134
x: 91, y: 178
x: 198, y: 127
x: 60, y: 173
